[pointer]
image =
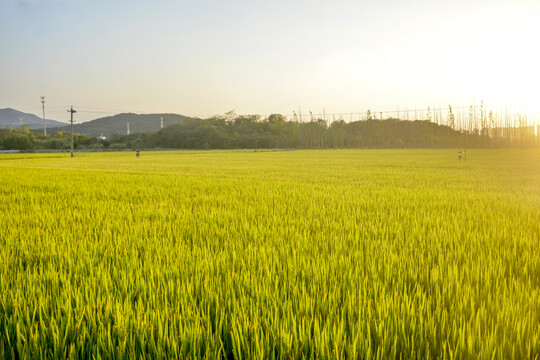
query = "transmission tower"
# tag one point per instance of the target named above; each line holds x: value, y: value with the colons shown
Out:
x: 451, y: 117
x: 44, y: 123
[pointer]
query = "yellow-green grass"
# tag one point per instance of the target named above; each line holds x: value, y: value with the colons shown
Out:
x: 255, y: 255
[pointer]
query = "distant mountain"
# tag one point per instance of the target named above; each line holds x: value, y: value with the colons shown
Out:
x: 18, y: 118
x: 117, y: 124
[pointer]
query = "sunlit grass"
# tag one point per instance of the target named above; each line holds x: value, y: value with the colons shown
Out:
x: 328, y: 254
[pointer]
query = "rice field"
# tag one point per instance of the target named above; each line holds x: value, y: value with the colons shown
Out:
x: 328, y: 254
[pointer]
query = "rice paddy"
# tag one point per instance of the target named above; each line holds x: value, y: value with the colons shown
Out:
x: 369, y: 254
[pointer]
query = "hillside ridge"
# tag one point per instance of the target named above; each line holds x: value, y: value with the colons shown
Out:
x: 16, y: 118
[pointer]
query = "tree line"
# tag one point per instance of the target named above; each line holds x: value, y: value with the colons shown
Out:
x: 275, y: 131
x: 24, y: 138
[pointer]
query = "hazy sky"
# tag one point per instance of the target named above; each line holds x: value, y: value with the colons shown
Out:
x: 207, y: 57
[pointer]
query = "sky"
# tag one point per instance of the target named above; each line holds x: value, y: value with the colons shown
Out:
x: 206, y: 57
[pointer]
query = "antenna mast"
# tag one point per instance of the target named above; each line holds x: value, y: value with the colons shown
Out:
x: 44, y: 123
x: 72, y: 112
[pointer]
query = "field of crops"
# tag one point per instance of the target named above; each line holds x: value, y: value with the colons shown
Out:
x: 256, y: 255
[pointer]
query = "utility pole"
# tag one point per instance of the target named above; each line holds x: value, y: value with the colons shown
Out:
x: 161, y: 125
x: 44, y: 123
x: 72, y: 112
x: 128, y: 128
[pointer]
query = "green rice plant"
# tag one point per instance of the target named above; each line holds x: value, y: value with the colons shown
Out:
x: 254, y: 255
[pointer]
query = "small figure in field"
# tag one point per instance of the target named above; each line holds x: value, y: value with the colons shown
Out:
x: 138, y: 146
x: 459, y: 155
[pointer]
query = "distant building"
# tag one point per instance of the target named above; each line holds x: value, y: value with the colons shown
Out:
x: 101, y: 137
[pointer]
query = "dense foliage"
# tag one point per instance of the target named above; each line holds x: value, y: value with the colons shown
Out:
x: 251, y: 132
x: 26, y: 139
x: 276, y: 132
x: 271, y: 254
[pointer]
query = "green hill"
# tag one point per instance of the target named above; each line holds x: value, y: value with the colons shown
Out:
x: 117, y: 124
x: 16, y: 118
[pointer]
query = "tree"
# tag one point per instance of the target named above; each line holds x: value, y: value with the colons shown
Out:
x: 18, y: 142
